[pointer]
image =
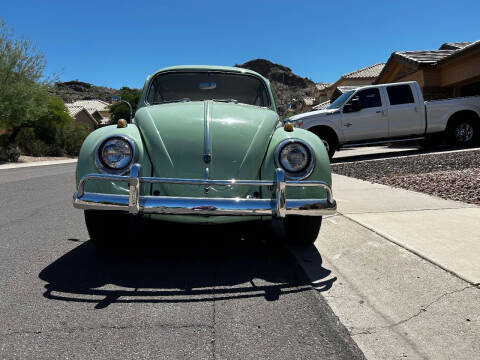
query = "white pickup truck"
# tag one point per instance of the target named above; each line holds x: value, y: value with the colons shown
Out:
x: 386, y: 113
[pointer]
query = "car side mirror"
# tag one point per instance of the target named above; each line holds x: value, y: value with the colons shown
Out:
x: 353, y: 105
x: 117, y: 100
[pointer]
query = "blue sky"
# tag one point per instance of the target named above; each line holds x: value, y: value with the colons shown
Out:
x: 116, y: 43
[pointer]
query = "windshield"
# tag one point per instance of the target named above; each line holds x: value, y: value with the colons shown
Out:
x: 340, y: 100
x: 199, y: 86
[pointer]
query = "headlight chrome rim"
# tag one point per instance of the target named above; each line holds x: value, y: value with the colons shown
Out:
x: 104, y: 168
x: 305, y: 173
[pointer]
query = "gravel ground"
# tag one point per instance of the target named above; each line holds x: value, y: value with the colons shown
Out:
x: 454, y: 176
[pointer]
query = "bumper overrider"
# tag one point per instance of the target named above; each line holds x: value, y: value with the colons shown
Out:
x: 277, y: 206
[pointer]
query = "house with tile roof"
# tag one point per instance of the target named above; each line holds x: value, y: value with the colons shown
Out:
x: 82, y: 116
x: 451, y: 71
x: 320, y: 93
x: 96, y: 108
x: 93, y: 113
x: 354, y: 79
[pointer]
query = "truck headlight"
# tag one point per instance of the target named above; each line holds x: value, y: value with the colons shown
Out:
x: 115, y: 154
x: 296, y: 158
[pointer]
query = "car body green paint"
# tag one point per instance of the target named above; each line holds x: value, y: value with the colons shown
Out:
x: 175, y: 134
x: 169, y: 141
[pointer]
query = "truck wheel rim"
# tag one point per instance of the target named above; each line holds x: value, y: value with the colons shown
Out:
x: 464, y: 132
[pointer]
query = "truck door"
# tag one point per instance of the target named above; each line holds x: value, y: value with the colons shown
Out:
x: 405, y: 115
x: 362, y: 117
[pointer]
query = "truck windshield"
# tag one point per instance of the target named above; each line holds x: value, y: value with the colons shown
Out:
x: 340, y: 100
x: 199, y: 86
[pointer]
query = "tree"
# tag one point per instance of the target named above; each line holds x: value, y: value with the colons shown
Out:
x: 23, y: 90
x: 54, y: 119
x: 120, y: 110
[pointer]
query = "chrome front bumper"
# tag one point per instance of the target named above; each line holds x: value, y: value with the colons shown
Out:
x: 278, y: 206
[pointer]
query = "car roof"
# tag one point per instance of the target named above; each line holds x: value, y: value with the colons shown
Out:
x: 209, y: 67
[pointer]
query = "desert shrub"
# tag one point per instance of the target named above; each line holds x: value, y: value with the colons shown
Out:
x: 67, y: 141
x: 70, y: 137
x: 30, y: 144
x: 10, y: 153
x: 13, y: 153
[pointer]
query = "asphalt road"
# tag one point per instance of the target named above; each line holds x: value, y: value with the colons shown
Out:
x: 188, y: 292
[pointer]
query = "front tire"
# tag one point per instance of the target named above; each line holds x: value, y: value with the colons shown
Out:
x: 329, y: 143
x: 107, y: 229
x: 302, y: 230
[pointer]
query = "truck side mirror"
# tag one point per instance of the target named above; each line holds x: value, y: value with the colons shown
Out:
x: 353, y: 105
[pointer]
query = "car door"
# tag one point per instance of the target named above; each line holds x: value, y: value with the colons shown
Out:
x: 365, y: 121
x: 405, y: 113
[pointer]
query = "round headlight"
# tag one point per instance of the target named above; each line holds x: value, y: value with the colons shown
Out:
x: 116, y: 153
x: 296, y: 158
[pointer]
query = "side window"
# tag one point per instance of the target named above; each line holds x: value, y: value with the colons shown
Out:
x: 369, y: 98
x: 400, y: 94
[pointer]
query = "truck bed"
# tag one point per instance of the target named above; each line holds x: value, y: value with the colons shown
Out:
x: 439, y: 111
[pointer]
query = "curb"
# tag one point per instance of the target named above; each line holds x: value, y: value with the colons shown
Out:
x: 37, y: 163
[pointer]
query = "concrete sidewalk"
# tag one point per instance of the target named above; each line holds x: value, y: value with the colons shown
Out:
x: 36, y: 163
x: 444, y: 232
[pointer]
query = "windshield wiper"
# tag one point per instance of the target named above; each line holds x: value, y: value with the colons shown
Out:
x: 171, y: 101
x: 235, y: 101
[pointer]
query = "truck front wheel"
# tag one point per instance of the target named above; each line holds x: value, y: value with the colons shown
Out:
x: 328, y: 137
x: 329, y: 142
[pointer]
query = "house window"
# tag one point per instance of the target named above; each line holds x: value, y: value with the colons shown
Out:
x: 400, y: 94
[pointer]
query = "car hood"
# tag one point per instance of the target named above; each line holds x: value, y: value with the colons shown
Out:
x: 317, y: 113
x: 176, y: 139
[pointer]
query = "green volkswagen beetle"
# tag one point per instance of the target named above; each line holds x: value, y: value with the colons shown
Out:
x: 206, y: 145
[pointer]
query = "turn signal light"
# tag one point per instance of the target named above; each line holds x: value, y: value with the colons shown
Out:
x: 122, y: 123
x: 288, y: 127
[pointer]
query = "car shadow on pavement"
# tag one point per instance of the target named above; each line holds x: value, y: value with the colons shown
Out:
x: 179, y: 263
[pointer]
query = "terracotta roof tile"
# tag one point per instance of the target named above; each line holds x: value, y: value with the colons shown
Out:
x: 454, y: 45
x: 424, y: 56
x: 369, y: 72
x: 322, y: 86
x: 471, y: 46
x: 93, y: 105
x: 73, y: 110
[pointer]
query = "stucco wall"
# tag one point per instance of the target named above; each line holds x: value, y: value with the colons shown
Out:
x: 83, y: 118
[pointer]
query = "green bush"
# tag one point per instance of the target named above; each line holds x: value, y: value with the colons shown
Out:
x: 68, y: 141
x: 11, y: 153
x: 30, y: 144
x: 52, y: 134
x: 70, y: 138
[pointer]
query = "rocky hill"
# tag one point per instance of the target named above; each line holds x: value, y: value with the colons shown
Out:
x: 286, y: 85
x: 71, y: 91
